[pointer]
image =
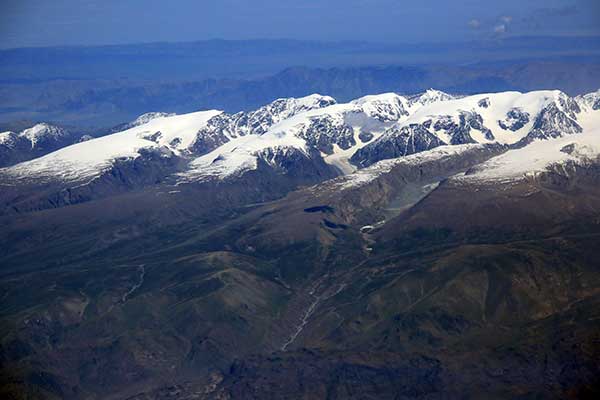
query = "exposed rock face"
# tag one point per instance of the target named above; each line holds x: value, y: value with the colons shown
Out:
x: 214, y: 135
x: 404, y: 140
x: 323, y: 132
x: 569, y: 105
x: 554, y: 122
x: 472, y: 120
x: 459, y: 131
x: 484, y: 103
x: 515, y: 120
x: 443, y: 123
x: 365, y: 137
x: 297, y: 165
x: 396, y: 142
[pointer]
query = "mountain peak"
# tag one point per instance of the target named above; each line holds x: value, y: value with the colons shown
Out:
x: 42, y: 132
x: 314, y: 100
x: 385, y: 107
x: 147, y: 117
x: 430, y: 96
x: 7, y: 138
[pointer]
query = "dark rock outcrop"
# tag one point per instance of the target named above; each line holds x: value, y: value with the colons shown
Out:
x: 396, y: 142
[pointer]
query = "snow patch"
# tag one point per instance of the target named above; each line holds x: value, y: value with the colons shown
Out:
x: 240, y: 155
x: 367, y: 175
x: 539, y: 155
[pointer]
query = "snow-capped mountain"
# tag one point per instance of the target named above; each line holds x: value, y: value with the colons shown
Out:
x: 429, y: 97
x: 225, y: 127
x: 311, y: 139
x: 335, y: 131
x: 163, y: 136
x: 365, y: 131
x: 305, y: 126
x: 36, y: 136
x: 33, y: 142
x: 43, y: 133
x: 561, y: 155
x: 509, y: 118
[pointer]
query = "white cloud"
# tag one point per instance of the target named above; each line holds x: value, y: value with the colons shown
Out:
x: 500, y: 28
x: 475, y: 23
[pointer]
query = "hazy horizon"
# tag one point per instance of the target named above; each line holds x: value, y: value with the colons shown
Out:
x: 35, y: 23
x: 316, y: 41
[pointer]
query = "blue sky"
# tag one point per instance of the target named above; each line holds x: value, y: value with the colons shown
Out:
x: 89, y: 22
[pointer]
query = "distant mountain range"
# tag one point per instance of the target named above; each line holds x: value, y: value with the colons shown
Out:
x: 195, y: 61
x: 98, y: 87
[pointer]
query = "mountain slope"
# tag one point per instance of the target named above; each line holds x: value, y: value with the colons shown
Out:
x: 457, y: 262
x: 355, y: 287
